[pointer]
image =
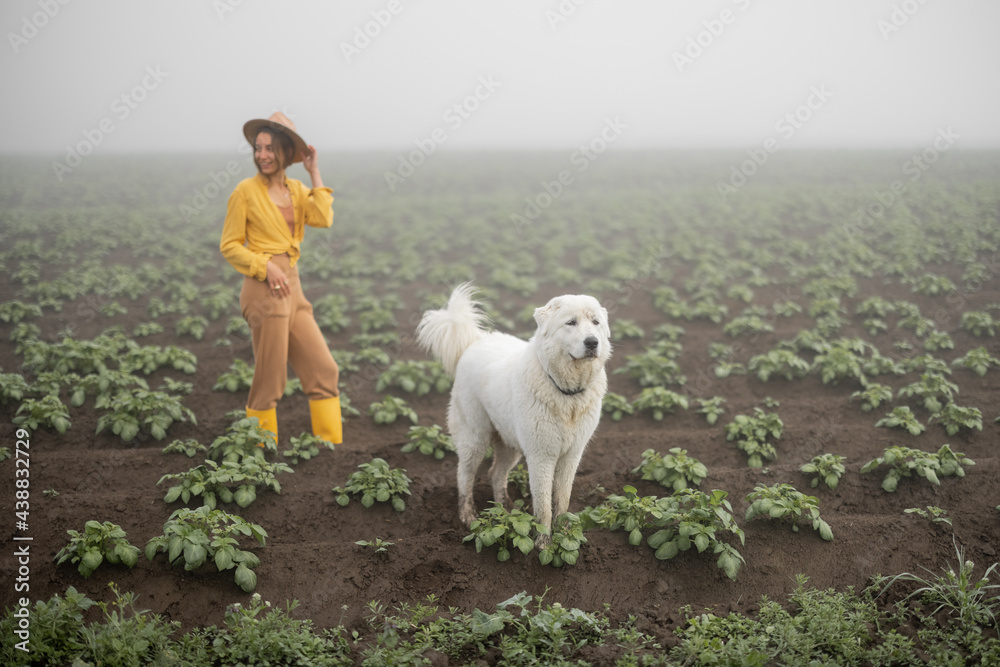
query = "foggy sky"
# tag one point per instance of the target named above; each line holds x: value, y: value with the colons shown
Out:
x: 185, y: 75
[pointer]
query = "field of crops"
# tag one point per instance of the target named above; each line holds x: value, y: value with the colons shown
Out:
x: 839, y: 310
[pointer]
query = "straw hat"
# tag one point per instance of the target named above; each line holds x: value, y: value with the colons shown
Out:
x: 280, y: 122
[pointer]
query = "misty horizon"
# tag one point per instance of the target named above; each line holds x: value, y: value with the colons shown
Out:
x: 385, y: 76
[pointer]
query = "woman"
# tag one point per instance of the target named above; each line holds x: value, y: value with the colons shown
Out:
x: 261, y: 238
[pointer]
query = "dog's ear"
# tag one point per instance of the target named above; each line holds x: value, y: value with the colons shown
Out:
x: 543, y: 314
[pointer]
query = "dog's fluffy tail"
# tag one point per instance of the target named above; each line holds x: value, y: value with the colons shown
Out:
x: 448, y: 333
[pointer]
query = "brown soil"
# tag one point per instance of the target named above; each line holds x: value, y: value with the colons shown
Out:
x: 311, y: 554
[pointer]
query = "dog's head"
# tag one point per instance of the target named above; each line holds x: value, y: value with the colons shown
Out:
x: 573, y: 329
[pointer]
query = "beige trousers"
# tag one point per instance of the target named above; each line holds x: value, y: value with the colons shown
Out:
x: 284, y: 331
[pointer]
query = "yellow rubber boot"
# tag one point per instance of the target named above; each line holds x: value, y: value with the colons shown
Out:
x: 326, y: 421
x: 268, y: 420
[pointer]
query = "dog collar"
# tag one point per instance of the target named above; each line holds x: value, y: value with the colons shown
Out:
x: 573, y: 392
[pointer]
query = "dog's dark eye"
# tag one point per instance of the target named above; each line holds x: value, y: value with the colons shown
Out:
x: 571, y: 323
x: 596, y: 322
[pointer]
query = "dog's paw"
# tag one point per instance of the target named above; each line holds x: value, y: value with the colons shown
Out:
x: 467, y: 517
x: 542, y: 541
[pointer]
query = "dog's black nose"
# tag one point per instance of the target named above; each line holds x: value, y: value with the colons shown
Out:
x: 590, y: 342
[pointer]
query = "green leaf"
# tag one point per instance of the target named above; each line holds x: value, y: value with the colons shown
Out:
x: 224, y: 558
x: 667, y: 550
x: 246, y: 578
x: 245, y: 495
x: 90, y: 561
x: 825, y: 531
x: 194, y: 556
x: 128, y: 554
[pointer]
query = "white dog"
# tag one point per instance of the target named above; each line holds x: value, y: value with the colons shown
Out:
x: 540, y: 398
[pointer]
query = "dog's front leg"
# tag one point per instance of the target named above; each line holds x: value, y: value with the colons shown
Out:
x: 562, y: 487
x: 541, y: 472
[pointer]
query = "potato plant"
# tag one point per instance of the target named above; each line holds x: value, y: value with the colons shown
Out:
x: 652, y: 369
x: 623, y: 328
x: 189, y: 448
x: 659, y: 402
x: 674, y: 470
x: 630, y: 511
x: 724, y: 368
x: 827, y: 306
x: 148, y: 358
x: 51, y: 382
x: 567, y: 538
x: 978, y: 360
x: 376, y: 319
x: 104, y: 386
x: 668, y: 331
x: 828, y: 468
x: 390, y: 409
x: 331, y: 312
x: 978, y: 323
x: 99, y: 542
x: 873, y: 395
x: 15, y: 311
x: 905, y: 462
x: 874, y: 326
x: 711, y: 408
x: 215, y: 481
x: 778, y: 362
x: 616, y: 406
x: 783, y: 501
x: 196, y: 536
x: 838, y: 362
x: 375, y: 481
x: 191, y: 325
x: 786, y: 308
x: 243, y: 439
x: 12, y: 387
x: 954, y: 418
x: 924, y: 364
x: 752, y: 434
x: 747, y: 325
x: 932, y: 388
x: 237, y: 378
x: 709, y: 309
x: 135, y: 410
x: 305, y: 447
x: 415, y: 377
x: 938, y: 340
x: 902, y: 417
x: 429, y: 440
x: 933, y: 514
x: 47, y: 411
x: 515, y: 529
x: 931, y: 285
x: 691, y: 517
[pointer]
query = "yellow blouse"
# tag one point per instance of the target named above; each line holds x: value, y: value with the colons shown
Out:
x: 255, y: 230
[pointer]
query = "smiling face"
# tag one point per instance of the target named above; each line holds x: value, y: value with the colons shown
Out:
x: 574, y: 330
x: 272, y: 151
